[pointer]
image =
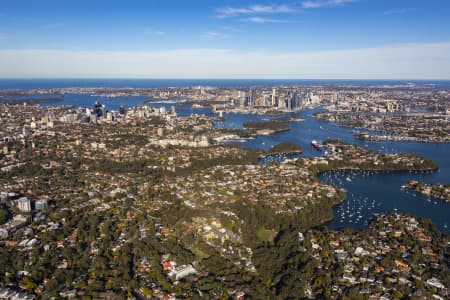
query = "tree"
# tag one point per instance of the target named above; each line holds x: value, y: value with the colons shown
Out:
x: 28, y: 283
x: 147, y: 291
x: 397, y: 295
x: 3, y: 215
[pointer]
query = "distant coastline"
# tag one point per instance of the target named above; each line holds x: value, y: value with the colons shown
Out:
x: 30, y: 83
x: 32, y: 100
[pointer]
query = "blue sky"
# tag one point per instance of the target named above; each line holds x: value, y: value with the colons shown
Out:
x: 225, y: 39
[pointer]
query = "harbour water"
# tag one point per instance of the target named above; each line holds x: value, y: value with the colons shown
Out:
x: 367, y: 193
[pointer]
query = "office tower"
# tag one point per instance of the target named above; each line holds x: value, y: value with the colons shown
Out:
x: 251, y: 98
x: 97, y: 108
x: 122, y: 110
x: 24, y: 204
x: 103, y: 109
x: 281, y: 102
x: 242, y: 98
x: 295, y: 100
x: 40, y: 204
x: 274, y: 95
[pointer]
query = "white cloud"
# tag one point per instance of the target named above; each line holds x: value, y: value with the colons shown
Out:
x: 324, y: 3
x: 271, y: 9
x: 261, y: 20
x: 225, y: 12
x: 407, y: 61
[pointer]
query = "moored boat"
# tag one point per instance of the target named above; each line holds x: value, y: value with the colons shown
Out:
x: 317, y: 145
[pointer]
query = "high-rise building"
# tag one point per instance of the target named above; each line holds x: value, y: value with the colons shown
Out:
x: 295, y: 100
x: 103, y: 109
x: 51, y: 115
x: 242, y: 98
x: 99, y: 109
x: 389, y: 106
x: 281, y: 102
x: 266, y: 101
x: 24, y: 204
x: 274, y: 95
x: 251, y: 98
x: 94, y: 118
x: 40, y: 204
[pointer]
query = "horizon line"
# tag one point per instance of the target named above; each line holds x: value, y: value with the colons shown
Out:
x: 218, y: 78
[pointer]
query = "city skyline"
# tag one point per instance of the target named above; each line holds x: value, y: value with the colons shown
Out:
x: 326, y: 39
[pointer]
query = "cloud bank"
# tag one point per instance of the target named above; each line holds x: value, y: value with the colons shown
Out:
x: 225, y: 12
x: 406, y: 61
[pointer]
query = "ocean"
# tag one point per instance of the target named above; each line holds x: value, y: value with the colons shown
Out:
x: 154, y: 83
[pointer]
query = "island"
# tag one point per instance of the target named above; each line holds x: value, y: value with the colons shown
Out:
x: 285, y: 148
x: 267, y: 127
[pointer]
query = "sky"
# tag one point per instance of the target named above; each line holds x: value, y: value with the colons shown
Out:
x: 298, y: 39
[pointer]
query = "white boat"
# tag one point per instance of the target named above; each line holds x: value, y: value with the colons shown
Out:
x: 316, y: 145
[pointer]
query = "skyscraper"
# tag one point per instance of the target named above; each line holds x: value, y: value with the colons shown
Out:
x: 252, y: 98
x: 274, y: 95
x: 281, y: 102
x: 242, y: 98
x: 289, y: 101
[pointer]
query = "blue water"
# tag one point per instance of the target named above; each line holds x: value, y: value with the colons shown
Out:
x: 375, y: 192
x: 153, y: 83
x: 366, y: 193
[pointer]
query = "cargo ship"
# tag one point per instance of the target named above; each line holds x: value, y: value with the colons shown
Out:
x: 316, y: 145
